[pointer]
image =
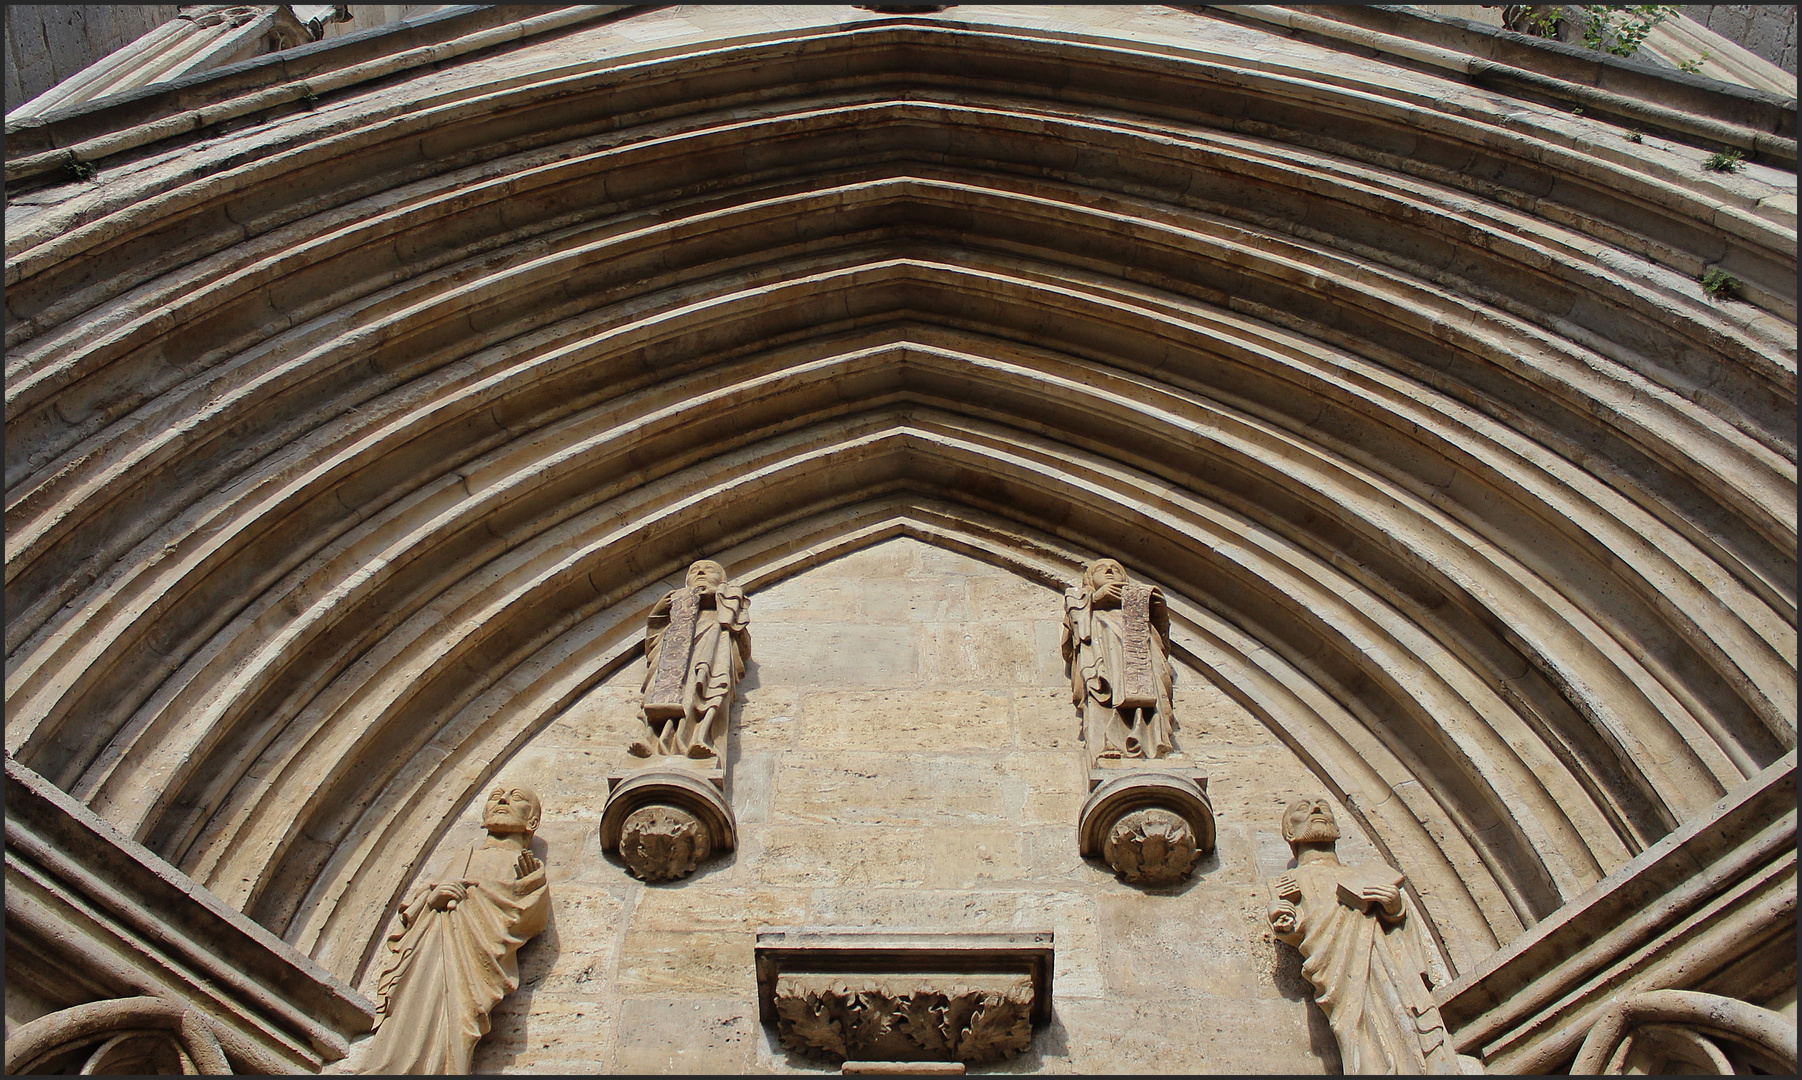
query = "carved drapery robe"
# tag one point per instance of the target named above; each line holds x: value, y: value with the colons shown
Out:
x: 1120, y: 673
x: 696, y: 645
x: 1369, y: 971
x: 450, y: 968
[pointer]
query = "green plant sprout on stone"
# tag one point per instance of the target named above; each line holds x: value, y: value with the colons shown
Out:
x: 80, y: 170
x: 1622, y: 28
x: 1724, y: 161
x: 1538, y: 20
x: 1636, y: 136
x: 1719, y: 284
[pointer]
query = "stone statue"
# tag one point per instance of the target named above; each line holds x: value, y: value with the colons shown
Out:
x: 1117, y: 646
x: 1364, y: 955
x: 697, y: 640
x: 455, y: 955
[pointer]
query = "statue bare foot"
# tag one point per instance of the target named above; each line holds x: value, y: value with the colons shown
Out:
x: 640, y: 748
x: 701, y: 750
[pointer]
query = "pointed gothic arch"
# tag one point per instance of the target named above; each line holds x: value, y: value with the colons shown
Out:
x: 341, y: 460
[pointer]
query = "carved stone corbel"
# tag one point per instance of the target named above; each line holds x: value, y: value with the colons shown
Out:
x: 1151, y: 825
x: 664, y: 824
x: 892, y: 997
x: 974, y: 1019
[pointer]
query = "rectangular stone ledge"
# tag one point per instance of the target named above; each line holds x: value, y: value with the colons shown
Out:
x: 1697, y: 904
x: 1176, y: 765
x: 879, y: 998
x: 900, y: 954
x: 91, y: 913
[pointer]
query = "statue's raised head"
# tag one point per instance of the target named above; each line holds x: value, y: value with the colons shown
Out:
x: 1310, y: 821
x: 706, y: 574
x: 1104, y: 572
x: 511, y: 808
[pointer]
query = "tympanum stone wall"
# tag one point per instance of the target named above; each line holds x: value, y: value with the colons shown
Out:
x: 905, y: 756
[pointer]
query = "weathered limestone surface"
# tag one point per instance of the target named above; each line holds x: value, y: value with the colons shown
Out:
x: 350, y: 443
x: 107, y: 939
x: 1708, y: 910
x: 917, y: 797
x: 47, y: 43
x: 361, y: 404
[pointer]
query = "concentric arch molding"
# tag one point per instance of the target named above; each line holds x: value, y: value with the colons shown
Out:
x: 345, y: 455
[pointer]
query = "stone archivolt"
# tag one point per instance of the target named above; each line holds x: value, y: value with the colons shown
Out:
x: 344, y: 451
x: 1664, y: 1031
x: 121, y: 1036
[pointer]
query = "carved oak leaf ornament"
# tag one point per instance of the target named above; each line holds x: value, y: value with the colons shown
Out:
x: 871, y: 1016
x: 922, y: 1019
x: 998, y: 1028
x: 905, y: 1018
x: 811, y: 1027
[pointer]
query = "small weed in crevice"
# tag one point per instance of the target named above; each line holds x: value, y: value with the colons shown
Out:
x: 308, y: 98
x: 79, y: 170
x: 1719, y: 284
x: 1576, y: 110
x: 1622, y: 28
x: 1636, y: 136
x: 1724, y: 161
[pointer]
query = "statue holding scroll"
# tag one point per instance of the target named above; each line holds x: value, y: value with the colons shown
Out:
x: 456, y: 953
x: 697, y: 640
x: 1117, y: 645
x: 1362, y: 950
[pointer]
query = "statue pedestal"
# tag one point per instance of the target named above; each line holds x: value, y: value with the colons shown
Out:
x: 1149, y: 820
x: 664, y: 822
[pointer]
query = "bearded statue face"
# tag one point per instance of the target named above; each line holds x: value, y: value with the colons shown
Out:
x: 1104, y: 572
x: 511, y: 808
x: 706, y: 575
x: 1309, y: 821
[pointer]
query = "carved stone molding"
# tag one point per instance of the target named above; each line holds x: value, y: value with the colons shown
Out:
x: 145, y: 1035
x: 973, y: 1019
x: 664, y: 823
x: 124, y: 949
x: 1667, y: 1031
x: 1150, y: 825
x: 904, y: 996
x: 1710, y: 908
